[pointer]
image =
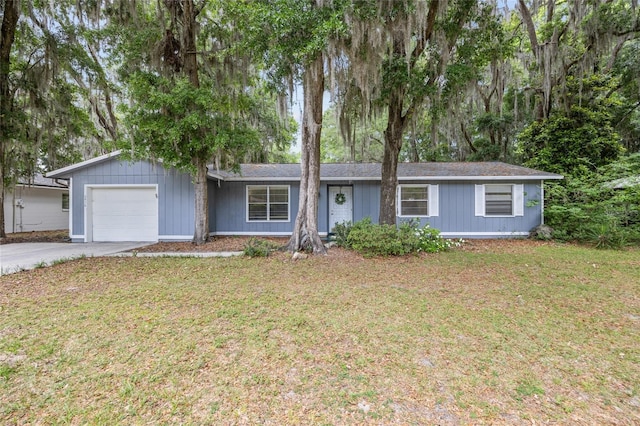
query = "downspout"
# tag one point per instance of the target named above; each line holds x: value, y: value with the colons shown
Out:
x: 70, y: 186
x: 13, y: 206
x: 542, y: 202
x: 19, y: 224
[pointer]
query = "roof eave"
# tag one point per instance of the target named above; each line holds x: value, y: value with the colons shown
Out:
x: 65, y: 171
x: 377, y: 178
x: 507, y: 177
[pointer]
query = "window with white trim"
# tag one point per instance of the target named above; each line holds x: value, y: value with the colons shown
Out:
x: 417, y: 200
x: 500, y: 200
x: 65, y: 202
x: 267, y: 203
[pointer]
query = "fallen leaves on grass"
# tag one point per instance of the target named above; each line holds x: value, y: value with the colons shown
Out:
x: 484, y: 336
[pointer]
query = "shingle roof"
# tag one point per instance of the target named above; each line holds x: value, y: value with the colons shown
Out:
x: 356, y: 171
x: 41, y: 181
x: 372, y: 171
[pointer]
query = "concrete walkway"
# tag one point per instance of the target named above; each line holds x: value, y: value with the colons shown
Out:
x: 22, y: 256
x: 181, y: 254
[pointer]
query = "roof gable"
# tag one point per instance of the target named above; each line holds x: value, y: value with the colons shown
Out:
x: 67, y: 171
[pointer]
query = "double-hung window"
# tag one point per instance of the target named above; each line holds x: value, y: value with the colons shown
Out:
x: 499, y: 200
x: 417, y: 200
x: 65, y: 202
x: 267, y: 203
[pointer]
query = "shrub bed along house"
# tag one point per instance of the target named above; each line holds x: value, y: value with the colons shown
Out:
x: 370, y: 239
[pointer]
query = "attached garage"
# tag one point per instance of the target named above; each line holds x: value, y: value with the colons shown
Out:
x: 121, y: 212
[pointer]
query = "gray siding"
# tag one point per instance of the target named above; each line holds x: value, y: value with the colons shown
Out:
x: 366, y: 199
x: 456, y: 208
x: 228, y: 209
x: 229, y: 203
x: 175, y: 192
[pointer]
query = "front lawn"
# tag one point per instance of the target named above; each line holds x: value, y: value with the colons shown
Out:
x: 518, y: 333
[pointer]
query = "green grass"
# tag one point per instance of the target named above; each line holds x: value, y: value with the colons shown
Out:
x: 529, y: 331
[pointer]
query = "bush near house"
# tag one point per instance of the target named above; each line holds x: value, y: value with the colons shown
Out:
x: 371, y: 239
x: 600, y: 208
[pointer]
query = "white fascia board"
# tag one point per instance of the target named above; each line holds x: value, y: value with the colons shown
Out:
x: 121, y: 185
x: 214, y: 176
x: 59, y: 188
x: 484, y: 234
x: 477, y: 178
x: 175, y: 237
x: 400, y: 178
x: 256, y: 234
x: 65, y: 170
x: 257, y: 179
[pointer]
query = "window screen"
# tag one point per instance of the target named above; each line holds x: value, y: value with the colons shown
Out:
x: 414, y: 200
x: 267, y: 202
x: 498, y: 200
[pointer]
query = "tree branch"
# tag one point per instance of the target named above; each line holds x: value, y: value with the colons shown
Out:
x: 467, y: 138
x: 528, y: 22
x: 198, y: 8
x: 421, y: 43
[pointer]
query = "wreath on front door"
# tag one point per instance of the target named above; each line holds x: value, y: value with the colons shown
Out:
x: 340, y: 198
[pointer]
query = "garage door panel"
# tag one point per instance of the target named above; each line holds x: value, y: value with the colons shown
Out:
x: 125, y: 214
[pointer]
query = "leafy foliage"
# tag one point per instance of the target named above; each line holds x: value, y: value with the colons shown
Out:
x: 256, y: 247
x: 371, y: 239
x: 575, y: 142
x: 341, y: 232
x: 177, y: 122
x: 601, y: 208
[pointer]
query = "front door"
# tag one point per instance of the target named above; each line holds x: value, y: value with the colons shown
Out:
x: 340, y: 205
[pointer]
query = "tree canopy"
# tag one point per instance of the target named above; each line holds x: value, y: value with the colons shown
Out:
x: 553, y: 85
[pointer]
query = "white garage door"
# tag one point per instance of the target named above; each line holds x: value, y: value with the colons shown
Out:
x: 124, y: 214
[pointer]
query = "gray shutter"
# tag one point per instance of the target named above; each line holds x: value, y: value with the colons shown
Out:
x: 518, y: 200
x: 434, y: 202
x: 479, y: 200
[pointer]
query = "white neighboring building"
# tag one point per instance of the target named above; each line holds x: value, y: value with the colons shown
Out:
x: 38, y: 204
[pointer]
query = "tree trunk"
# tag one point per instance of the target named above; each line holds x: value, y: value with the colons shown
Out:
x: 7, y: 36
x: 392, y: 145
x: 189, y: 37
x: 305, y: 232
x: 201, y: 232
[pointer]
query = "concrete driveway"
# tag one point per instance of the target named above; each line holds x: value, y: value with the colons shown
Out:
x: 21, y: 256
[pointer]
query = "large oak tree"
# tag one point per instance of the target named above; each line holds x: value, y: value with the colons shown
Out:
x: 405, y: 57
x: 293, y: 37
x: 55, y: 99
x: 195, y: 97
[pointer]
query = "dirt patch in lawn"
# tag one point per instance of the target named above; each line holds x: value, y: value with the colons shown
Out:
x: 215, y: 244
x: 58, y: 236
x: 237, y: 243
x: 504, y: 332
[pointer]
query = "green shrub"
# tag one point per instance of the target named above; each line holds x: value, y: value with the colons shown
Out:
x: 370, y: 239
x: 341, y: 234
x: 259, y: 248
x: 601, y: 208
x: 430, y: 240
x: 604, y: 236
